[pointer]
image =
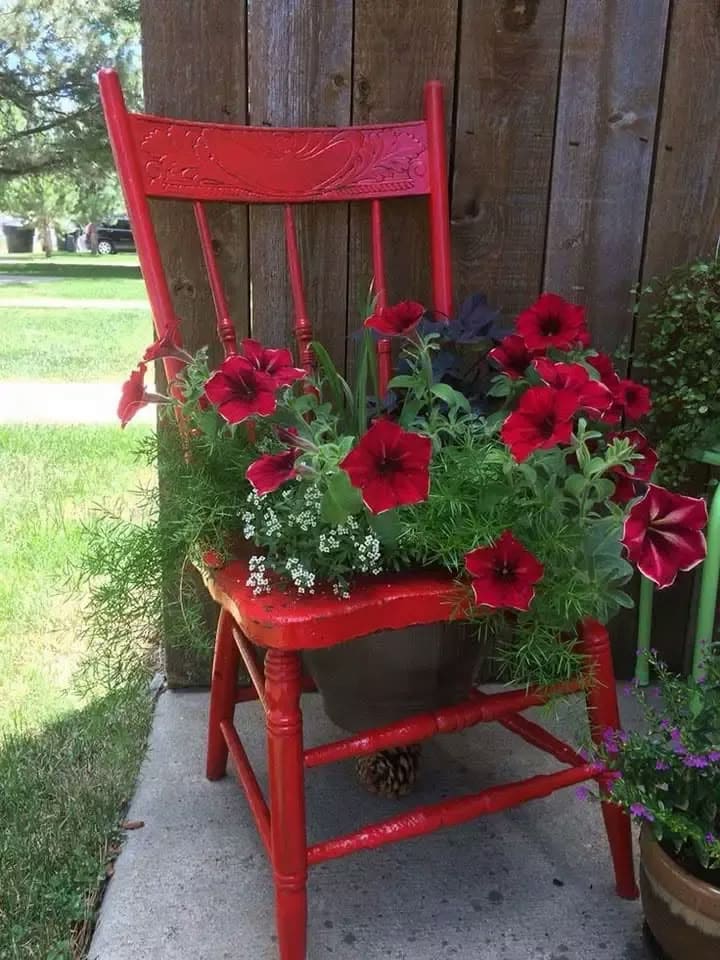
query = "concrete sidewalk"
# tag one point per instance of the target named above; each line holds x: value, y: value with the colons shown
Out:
x: 530, y: 884
x: 73, y: 303
x: 44, y: 402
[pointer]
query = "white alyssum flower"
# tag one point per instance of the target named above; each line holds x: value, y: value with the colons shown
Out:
x: 302, y: 578
x: 368, y: 554
x: 258, y: 580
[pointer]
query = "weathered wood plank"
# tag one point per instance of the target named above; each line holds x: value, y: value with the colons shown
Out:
x: 196, y: 71
x: 684, y: 218
x: 685, y: 212
x: 610, y: 83
x: 397, y: 47
x: 507, y: 90
x: 193, y: 70
x: 299, y: 73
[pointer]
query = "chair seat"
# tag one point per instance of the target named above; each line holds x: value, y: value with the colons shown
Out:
x: 291, y: 622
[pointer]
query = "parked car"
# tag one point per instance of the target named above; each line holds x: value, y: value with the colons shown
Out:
x: 115, y: 236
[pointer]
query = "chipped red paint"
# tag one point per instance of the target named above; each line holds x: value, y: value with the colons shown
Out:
x: 289, y: 622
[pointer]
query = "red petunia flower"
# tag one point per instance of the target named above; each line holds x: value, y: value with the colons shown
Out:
x: 504, y: 575
x: 604, y: 366
x: 512, y: 356
x: 643, y: 467
x: 396, y: 321
x: 390, y: 466
x: 633, y: 399
x: 663, y: 534
x: 542, y: 419
x: 272, y: 470
x: 166, y: 347
x: 239, y: 390
x: 591, y: 394
x: 552, y: 322
x: 277, y: 363
x: 134, y: 396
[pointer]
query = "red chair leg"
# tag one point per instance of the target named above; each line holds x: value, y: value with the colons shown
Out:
x: 603, y: 712
x: 222, y: 695
x: 287, y: 800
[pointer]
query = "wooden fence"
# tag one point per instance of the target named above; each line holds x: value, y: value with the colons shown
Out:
x: 584, y: 144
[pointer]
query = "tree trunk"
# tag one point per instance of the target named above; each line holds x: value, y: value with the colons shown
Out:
x: 47, y: 238
x: 92, y: 239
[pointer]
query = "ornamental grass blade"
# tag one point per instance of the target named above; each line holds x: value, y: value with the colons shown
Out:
x: 341, y: 394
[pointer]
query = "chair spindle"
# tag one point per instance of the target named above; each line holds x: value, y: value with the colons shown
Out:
x: 225, y: 327
x: 303, y: 327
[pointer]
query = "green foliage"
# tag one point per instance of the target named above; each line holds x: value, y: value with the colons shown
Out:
x: 43, y: 200
x: 50, y: 118
x: 678, y: 356
x: 136, y: 570
x: 477, y: 491
x: 671, y: 766
x: 308, y: 525
x: 120, y: 574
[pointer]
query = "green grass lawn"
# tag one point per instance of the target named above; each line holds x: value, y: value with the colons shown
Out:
x: 68, y: 761
x: 66, y: 765
x: 51, y: 477
x: 74, y: 276
x: 63, y: 790
x: 71, y: 344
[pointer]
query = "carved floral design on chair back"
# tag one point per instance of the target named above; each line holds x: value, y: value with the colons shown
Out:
x: 259, y: 165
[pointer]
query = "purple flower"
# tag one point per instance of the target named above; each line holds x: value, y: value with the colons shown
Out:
x: 611, y: 738
x: 664, y: 724
x: 710, y: 838
x: 677, y: 744
x: 640, y: 810
x: 695, y: 760
x: 714, y: 756
x: 582, y: 793
x: 701, y: 679
x: 661, y: 765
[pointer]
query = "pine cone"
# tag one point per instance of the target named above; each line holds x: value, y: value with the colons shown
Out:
x: 391, y: 773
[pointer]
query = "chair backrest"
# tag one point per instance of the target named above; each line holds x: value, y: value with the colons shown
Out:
x: 196, y: 162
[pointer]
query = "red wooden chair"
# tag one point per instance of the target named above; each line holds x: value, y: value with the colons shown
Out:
x: 196, y: 162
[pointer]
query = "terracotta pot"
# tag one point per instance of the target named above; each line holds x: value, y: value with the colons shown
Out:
x: 389, y: 675
x: 683, y: 913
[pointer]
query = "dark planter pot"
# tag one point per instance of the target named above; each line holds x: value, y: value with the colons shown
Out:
x: 683, y: 912
x: 389, y: 675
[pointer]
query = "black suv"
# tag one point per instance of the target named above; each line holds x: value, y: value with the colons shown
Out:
x: 115, y: 236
